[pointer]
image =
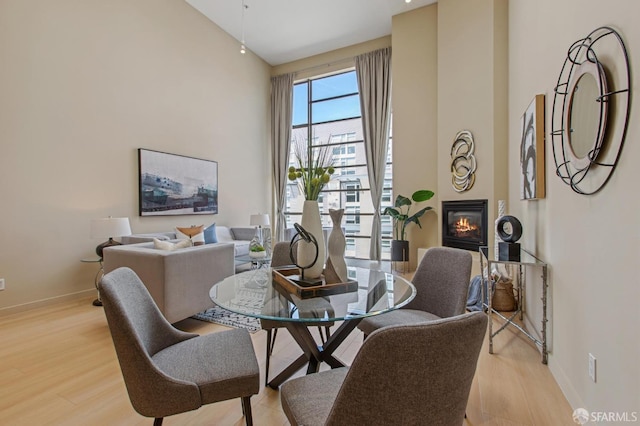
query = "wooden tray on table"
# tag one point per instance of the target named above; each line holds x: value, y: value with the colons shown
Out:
x: 285, y: 277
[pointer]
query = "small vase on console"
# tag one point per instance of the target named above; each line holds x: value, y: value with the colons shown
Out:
x: 502, y: 211
x: 307, y: 251
x: 336, y: 270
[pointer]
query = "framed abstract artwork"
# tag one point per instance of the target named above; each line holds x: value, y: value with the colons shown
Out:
x: 173, y: 184
x: 532, y: 182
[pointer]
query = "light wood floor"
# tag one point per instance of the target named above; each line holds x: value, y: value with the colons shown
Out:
x: 58, y: 367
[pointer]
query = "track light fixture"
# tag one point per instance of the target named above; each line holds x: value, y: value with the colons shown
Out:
x: 243, y: 48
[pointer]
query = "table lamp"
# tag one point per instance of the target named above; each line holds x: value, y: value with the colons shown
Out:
x: 259, y: 220
x: 109, y: 227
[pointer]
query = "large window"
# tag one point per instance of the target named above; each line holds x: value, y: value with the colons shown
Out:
x: 326, y: 113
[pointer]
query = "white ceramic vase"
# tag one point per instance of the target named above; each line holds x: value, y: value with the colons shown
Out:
x: 336, y: 270
x: 306, y: 251
x: 257, y: 254
x: 502, y: 210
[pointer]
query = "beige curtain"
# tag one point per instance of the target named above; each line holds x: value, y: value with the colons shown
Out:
x: 281, y: 117
x: 374, y: 82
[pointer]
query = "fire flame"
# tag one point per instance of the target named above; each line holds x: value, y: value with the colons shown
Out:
x: 463, y: 226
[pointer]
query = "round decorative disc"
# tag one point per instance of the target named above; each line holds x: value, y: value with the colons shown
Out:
x: 509, y: 229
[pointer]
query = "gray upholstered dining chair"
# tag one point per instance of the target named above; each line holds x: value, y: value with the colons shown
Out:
x: 167, y: 371
x: 403, y: 374
x: 280, y: 256
x: 442, y: 285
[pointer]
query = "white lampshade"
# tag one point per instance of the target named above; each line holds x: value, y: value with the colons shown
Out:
x: 110, y: 227
x: 259, y: 220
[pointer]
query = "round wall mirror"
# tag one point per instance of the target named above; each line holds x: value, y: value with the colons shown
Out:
x: 591, y: 110
x: 586, y: 116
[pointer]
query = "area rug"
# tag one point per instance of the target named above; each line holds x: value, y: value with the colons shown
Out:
x: 221, y: 316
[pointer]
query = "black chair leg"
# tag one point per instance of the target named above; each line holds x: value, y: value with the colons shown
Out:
x: 158, y: 421
x: 246, y: 410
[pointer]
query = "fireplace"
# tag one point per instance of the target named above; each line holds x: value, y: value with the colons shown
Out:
x: 464, y: 224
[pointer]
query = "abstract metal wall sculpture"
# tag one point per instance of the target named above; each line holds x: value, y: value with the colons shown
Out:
x: 463, y: 162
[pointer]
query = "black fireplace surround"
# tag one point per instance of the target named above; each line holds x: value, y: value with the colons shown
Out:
x: 464, y: 224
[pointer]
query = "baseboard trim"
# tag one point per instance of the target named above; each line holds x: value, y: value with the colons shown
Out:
x: 10, y: 310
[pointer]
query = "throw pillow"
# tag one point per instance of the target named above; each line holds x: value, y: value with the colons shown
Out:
x: 210, y: 236
x: 193, y: 233
x: 182, y: 244
x: 169, y: 246
x: 223, y: 233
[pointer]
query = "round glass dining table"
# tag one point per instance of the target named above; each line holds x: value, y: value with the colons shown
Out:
x: 256, y: 294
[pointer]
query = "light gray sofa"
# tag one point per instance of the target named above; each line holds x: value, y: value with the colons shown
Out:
x: 178, y: 280
x: 240, y: 237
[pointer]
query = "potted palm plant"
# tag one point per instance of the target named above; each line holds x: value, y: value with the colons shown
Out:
x: 400, y: 214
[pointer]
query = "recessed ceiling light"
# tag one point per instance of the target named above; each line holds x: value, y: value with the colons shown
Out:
x: 407, y: 1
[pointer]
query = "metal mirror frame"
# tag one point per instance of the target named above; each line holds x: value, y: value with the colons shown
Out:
x: 581, y: 58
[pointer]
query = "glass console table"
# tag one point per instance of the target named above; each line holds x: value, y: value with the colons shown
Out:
x: 487, y: 259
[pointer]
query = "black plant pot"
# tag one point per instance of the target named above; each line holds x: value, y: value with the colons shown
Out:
x: 399, y: 250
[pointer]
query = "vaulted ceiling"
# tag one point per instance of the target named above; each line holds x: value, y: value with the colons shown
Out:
x: 281, y: 31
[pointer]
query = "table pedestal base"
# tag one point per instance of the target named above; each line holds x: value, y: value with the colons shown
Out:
x: 313, y: 354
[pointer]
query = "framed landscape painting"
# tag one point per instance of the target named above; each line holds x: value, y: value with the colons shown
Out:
x: 173, y: 184
x: 532, y: 151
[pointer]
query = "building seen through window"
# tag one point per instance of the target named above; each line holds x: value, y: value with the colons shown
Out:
x: 326, y: 114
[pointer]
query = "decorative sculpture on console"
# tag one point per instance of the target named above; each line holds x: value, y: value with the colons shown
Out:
x: 509, y: 230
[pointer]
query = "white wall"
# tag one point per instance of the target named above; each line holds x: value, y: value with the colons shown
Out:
x: 592, y: 243
x: 84, y: 84
x: 472, y: 95
x: 415, y: 115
